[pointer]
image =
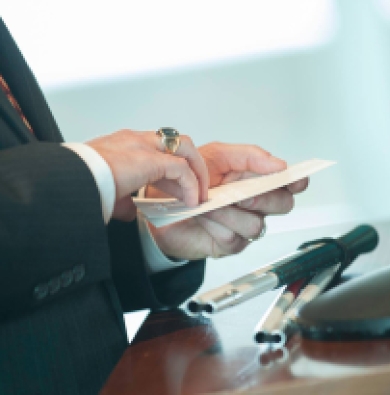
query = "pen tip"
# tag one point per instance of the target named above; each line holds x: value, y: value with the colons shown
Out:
x: 266, y: 337
x: 194, y: 307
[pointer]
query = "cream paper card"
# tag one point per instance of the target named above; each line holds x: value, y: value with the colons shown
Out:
x: 161, y: 212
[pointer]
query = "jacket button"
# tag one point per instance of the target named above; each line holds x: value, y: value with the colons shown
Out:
x: 41, y: 291
x: 66, y: 278
x: 78, y: 272
x: 54, y: 285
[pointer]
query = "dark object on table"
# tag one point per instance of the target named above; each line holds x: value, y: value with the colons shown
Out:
x: 356, y: 310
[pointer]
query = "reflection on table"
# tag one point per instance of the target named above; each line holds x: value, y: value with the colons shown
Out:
x: 177, y: 354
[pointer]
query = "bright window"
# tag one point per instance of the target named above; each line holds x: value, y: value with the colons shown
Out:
x: 87, y: 40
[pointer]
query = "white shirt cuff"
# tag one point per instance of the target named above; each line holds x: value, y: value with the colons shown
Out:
x: 156, y: 260
x: 101, y: 173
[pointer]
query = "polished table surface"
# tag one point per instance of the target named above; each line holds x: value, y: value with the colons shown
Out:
x: 177, y: 354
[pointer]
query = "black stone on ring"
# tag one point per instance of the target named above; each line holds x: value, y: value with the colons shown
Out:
x: 170, y: 138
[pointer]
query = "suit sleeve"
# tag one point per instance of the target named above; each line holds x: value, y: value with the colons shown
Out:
x: 137, y: 288
x: 52, y: 236
x: 53, y: 239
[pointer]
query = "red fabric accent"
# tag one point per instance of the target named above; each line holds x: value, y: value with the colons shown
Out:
x: 5, y: 88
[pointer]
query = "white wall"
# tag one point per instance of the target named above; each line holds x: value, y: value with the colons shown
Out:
x: 331, y: 101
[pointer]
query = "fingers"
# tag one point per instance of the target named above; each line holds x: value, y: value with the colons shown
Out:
x: 244, y: 223
x: 227, y: 158
x: 279, y: 201
x: 136, y: 159
x: 298, y: 186
x: 178, y: 179
x: 188, y: 151
x: 223, y: 240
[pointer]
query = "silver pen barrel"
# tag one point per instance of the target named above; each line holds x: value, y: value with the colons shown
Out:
x: 239, y: 293
x: 236, y: 291
x: 272, y: 318
x: 316, y: 285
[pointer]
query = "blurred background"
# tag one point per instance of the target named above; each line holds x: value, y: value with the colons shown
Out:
x: 300, y: 78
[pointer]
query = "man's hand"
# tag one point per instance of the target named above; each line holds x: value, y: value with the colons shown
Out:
x: 227, y: 230
x: 138, y: 158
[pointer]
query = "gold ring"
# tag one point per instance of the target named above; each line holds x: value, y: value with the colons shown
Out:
x: 262, y: 233
x: 170, y: 138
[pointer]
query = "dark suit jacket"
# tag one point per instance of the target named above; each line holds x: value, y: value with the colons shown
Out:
x: 61, y: 268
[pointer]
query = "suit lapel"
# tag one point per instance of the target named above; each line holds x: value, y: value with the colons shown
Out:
x: 27, y: 92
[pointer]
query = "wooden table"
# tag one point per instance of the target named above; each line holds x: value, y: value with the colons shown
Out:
x: 176, y: 354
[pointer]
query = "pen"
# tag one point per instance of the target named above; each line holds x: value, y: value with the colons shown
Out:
x: 273, y: 317
x: 310, y: 258
x: 200, y: 303
x: 316, y: 285
x: 238, y: 290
